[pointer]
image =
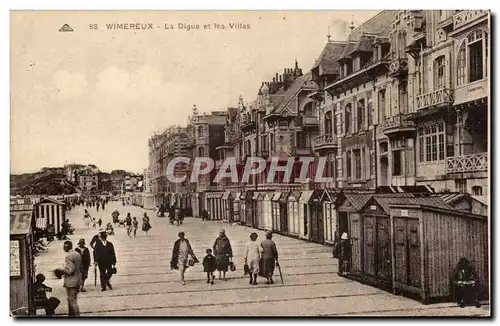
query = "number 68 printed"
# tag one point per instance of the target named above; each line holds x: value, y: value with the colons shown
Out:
x: 93, y: 26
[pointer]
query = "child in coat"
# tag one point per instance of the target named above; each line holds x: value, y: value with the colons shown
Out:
x: 209, y: 266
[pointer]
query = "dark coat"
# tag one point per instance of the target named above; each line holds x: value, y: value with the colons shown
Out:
x: 85, y: 256
x: 222, y: 247
x: 209, y: 263
x: 105, y: 254
x: 344, y: 249
x: 175, y: 253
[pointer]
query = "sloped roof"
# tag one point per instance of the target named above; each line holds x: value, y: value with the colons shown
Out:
x: 365, y: 44
x: 379, y: 24
x: 451, y: 197
x: 386, y: 201
x: 304, y: 82
x: 328, y: 59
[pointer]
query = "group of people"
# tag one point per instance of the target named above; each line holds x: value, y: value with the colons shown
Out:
x: 77, y: 263
x: 131, y: 224
x: 260, y: 259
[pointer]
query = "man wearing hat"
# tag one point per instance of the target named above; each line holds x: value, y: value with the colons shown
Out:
x: 105, y: 258
x: 84, y: 251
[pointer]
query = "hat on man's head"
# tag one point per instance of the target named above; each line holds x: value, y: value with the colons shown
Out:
x: 181, y: 233
x: 81, y: 241
x: 101, y: 230
x: 344, y: 236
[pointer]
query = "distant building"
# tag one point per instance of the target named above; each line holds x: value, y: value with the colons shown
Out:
x: 88, y: 180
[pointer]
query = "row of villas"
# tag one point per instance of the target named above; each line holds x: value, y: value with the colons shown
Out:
x: 400, y: 111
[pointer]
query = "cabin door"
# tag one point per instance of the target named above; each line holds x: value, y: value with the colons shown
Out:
x: 407, y: 261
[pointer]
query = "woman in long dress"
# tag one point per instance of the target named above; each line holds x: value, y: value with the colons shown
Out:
x: 180, y: 255
x: 252, y: 257
x: 146, y: 226
x: 223, y: 253
x: 86, y: 219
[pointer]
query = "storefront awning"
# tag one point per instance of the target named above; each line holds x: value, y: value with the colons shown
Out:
x: 294, y: 196
x: 276, y: 196
x: 269, y: 196
x: 305, y: 196
x: 20, y: 222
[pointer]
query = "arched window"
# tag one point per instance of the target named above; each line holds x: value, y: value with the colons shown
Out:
x: 200, y: 131
x: 309, y: 110
x: 472, y: 60
x: 439, y: 72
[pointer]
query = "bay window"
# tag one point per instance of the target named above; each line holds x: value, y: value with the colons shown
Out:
x: 431, y: 143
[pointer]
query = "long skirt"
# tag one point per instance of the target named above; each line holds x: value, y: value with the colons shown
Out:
x: 222, y: 263
x: 266, y: 268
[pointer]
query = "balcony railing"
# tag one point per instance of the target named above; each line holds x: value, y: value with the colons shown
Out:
x: 325, y: 140
x: 310, y: 121
x: 441, y: 96
x: 467, y: 163
x: 466, y: 16
x: 396, y: 123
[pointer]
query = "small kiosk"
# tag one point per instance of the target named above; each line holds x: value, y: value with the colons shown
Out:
x: 330, y: 214
x: 236, y: 207
x: 227, y: 207
x: 22, y: 267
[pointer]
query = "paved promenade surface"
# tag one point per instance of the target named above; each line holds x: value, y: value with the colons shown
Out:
x: 145, y: 285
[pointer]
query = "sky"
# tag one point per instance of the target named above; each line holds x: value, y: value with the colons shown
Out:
x: 95, y: 96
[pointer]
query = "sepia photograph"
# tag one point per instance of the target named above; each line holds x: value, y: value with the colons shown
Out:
x: 284, y: 163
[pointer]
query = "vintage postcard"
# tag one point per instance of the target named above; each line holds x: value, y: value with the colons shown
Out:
x: 250, y: 163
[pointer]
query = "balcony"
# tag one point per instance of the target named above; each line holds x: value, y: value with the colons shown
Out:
x: 311, y: 122
x: 325, y: 141
x: 248, y: 125
x: 283, y: 187
x: 398, y: 67
x: 397, y: 124
x: 465, y: 17
x: 441, y: 97
x: 467, y: 163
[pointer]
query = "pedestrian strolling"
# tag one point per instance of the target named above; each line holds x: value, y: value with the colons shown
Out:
x: 105, y: 258
x: 99, y: 222
x: 252, y: 257
x: 269, y: 258
x: 209, y: 266
x: 72, y: 273
x: 223, y: 253
x: 180, y: 256
x: 146, y: 226
x: 84, y: 251
x: 128, y: 224
x: 204, y: 215
x: 97, y: 206
x: 344, y: 253
x: 135, y: 225
x: 87, y: 219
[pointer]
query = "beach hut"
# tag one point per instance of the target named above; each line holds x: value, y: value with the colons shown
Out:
x: 428, y: 241
x: 22, y: 267
x: 348, y: 206
x: 246, y: 207
x: 268, y: 210
x: 327, y: 199
x: 227, y: 206
x: 304, y: 214
x: 293, y: 213
x: 276, y: 211
x: 258, y: 206
x: 49, y: 215
x: 236, y: 207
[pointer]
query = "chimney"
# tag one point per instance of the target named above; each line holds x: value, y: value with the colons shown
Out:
x: 280, y: 80
x: 276, y: 76
x: 274, y: 79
